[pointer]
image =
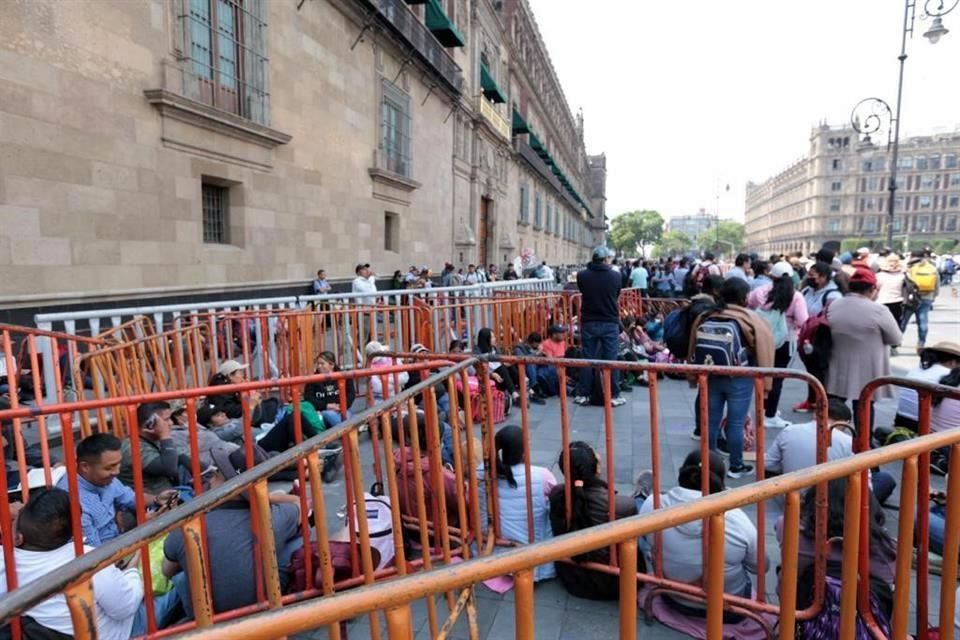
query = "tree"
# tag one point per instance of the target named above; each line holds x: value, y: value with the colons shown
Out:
x: 674, y: 243
x: 726, y: 236
x: 632, y: 231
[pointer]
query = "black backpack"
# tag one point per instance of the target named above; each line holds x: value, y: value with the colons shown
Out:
x: 677, y: 325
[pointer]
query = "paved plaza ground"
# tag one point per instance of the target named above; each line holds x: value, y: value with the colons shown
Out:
x: 559, y: 616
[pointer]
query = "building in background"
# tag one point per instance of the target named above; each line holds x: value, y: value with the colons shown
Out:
x: 693, y: 225
x: 838, y: 193
x: 160, y: 147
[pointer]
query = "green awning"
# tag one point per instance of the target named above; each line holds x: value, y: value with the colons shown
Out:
x: 441, y: 26
x: 491, y: 90
x: 520, y: 125
x: 535, y: 143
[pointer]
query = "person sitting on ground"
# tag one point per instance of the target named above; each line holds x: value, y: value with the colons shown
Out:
x: 325, y: 396
x: 512, y: 495
x: 504, y: 376
x: 406, y: 461
x: 555, y: 346
x: 456, y: 346
x: 682, y: 551
x: 394, y: 382
x: 654, y: 326
x: 209, y: 419
x: 538, y: 375
x: 232, y: 372
x: 883, y: 548
x: 589, y: 508
x: 102, y: 495
x: 44, y: 545
x: 936, y: 362
x: 230, y: 542
x: 164, y: 466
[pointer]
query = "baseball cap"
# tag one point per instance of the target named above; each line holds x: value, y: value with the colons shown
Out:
x: 418, y: 348
x: 863, y: 251
x: 373, y: 347
x: 556, y: 328
x: 601, y: 252
x: 781, y: 269
x: 206, y: 412
x: 230, y: 366
x: 361, y: 266
x: 864, y: 276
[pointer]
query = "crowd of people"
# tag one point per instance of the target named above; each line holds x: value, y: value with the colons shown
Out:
x: 841, y: 316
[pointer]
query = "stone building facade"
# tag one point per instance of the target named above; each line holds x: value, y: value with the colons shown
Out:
x: 153, y: 146
x: 840, y: 191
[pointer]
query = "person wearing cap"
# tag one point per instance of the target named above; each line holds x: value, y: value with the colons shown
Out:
x: 394, y: 382
x: 936, y: 362
x: 230, y: 541
x: 922, y: 273
x: 599, y: 287
x: 232, y: 372
x: 209, y: 419
x: 365, y: 282
x: 783, y: 307
x: 862, y: 331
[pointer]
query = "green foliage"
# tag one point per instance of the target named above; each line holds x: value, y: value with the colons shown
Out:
x: 631, y: 231
x: 852, y: 244
x: 726, y: 237
x: 673, y: 243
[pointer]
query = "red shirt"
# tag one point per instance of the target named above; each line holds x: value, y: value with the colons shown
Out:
x: 553, y: 349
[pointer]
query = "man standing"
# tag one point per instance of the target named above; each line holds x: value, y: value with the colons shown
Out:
x: 924, y: 275
x: 365, y: 282
x: 472, y: 276
x: 638, y: 278
x: 412, y: 275
x: 741, y: 268
x: 320, y: 285
x: 680, y: 276
x: 599, y: 285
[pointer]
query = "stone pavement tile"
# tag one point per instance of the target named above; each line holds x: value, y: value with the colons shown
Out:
x: 487, y: 611
x: 593, y: 623
x: 656, y: 631
x: 548, y: 622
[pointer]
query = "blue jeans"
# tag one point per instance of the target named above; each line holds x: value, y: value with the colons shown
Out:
x: 938, y: 528
x: 332, y: 418
x: 166, y: 608
x: 600, y: 341
x: 923, y: 317
x: 545, y: 376
x: 735, y: 394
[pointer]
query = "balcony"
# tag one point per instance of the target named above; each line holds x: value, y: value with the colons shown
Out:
x: 537, y: 164
x: 496, y: 122
x: 397, y: 19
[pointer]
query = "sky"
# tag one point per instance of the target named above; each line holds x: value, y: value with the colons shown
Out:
x: 685, y: 98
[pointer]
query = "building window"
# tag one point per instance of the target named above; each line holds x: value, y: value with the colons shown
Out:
x: 924, y: 202
x: 870, y: 224
x: 394, y: 153
x: 833, y: 225
x: 905, y: 162
x: 836, y: 164
x: 873, y: 184
x: 549, y: 225
x: 901, y: 181
x: 954, y: 202
x: 955, y: 180
x: 898, y: 203
x: 926, y: 182
x: 879, y: 164
x: 921, y: 163
x: 524, y: 204
x: 921, y: 223
x: 950, y: 223
x: 834, y: 204
x: 935, y: 161
x: 950, y: 161
x: 836, y: 186
x: 871, y: 204
x: 897, y: 225
x: 226, y: 55
x: 216, y: 219
x: 391, y: 232
x: 538, y: 213
x: 868, y: 165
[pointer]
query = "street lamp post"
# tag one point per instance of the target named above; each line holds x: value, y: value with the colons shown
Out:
x: 869, y: 114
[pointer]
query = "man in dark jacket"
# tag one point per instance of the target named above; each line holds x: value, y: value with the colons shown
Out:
x: 600, y: 287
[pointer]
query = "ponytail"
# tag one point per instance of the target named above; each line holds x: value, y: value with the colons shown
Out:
x: 508, y: 445
x: 582, y: 475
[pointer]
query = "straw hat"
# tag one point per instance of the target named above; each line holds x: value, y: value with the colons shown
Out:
x: 952, y: 348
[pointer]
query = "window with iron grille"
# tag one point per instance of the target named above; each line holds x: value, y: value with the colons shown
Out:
x: 391, y: 232
x: 524, y: 204
x: 225, y: 51
x: 538, y: 213
x: 215, y: 214
x: 395, y: 130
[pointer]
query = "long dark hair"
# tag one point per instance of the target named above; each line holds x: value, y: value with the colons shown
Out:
x: 485, y: 340
x: 781, y: 295
x: 691, y: 472
x: 733, y: 291
x: 583, y: 474
x: 952, y: 379
x: 508, y: 444
x: 880, y: 540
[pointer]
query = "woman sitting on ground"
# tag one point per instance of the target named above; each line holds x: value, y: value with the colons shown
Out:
x: 406, y: 463
x: 325, y: 396
x: 589, y: 508
x: 504, y: 376
x: 683, y: 553
x: 512, y: 495
x: 394, y: 382
x: 883, y: 548
x: 232, y: 372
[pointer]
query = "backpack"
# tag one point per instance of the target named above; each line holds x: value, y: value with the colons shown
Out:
x: 816, y: 332
x: 677, y: 324
x: 911, y: 294
x: 720, y: 343
x: 925, y: 276
x: 777, y: 322
x: 827, y: 621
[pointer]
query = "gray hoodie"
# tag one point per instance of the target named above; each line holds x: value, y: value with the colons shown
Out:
x: 683, y: 545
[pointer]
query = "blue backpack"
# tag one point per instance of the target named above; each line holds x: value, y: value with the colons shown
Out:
x: 719, y: 343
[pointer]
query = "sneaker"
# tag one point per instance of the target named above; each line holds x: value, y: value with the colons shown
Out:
x: 581, y: 400
x: 739, y: 472
x: 939, y: 464
x: 535, y: 399
x: 695, y: 436
x: 776, y: 422
x: 618, y: 401
x: 803, y: 407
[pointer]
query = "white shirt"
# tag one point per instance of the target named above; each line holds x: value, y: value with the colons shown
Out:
x: 118, y: 594
x: 365, y: 285
x: 907, y: 404
x: 472, y: 278
x: 795, y: 448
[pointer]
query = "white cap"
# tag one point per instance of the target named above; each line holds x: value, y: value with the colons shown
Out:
x: 229, y: 367
x: 373, y: 347
x: 781, y: 269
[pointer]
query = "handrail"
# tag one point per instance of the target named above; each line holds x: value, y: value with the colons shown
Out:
x: 386, y: 595
x: 86, y: 565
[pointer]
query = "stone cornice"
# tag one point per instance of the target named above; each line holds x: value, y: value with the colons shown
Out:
x: 176, y: 106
